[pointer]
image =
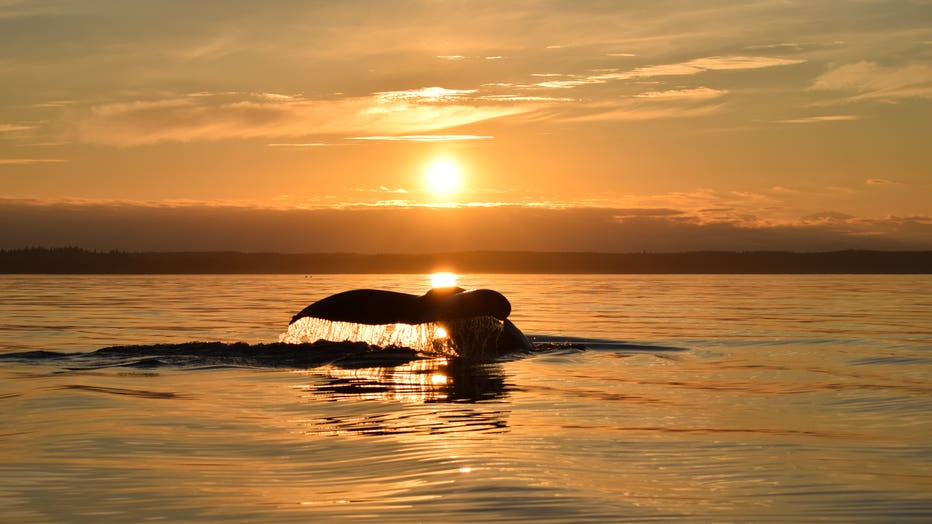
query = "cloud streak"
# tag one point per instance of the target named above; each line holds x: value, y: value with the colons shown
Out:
x: 376, y: 229
x: 867, y: 80
x: 686, y: 68
x: 208, y: 118
x: 29, y: 161
x: 634, y: 110
x: 412, y: 115
x: 11, y: 128
x: 424, y: 138
x: 697, y: 93
x: 819, y: 119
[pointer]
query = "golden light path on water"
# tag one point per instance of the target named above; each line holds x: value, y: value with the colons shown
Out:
x: 443, y: 279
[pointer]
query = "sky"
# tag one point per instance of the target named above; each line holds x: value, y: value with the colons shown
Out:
x: 424, y: 126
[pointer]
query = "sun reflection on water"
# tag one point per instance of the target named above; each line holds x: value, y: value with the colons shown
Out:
x: 417, y: 382
x: 443, y: 279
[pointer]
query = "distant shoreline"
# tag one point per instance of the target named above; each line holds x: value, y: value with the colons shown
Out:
x: 81, y: 261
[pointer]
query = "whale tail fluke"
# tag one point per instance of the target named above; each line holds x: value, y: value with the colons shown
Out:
x: 449, y: 321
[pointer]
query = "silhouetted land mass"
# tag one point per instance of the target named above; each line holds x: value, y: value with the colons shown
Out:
x: 80, y: 261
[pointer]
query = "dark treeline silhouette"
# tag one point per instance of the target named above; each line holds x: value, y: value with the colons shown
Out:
x: 79, y: 261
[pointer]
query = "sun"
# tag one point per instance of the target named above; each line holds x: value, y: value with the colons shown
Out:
x: 444, y: 176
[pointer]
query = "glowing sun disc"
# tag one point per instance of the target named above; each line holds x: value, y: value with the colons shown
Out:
x: 443, y: 176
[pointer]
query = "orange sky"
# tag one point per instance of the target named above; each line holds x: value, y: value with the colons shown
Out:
x: 602, y: 126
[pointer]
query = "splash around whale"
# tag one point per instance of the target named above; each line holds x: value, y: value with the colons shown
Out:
x: 448, y: 321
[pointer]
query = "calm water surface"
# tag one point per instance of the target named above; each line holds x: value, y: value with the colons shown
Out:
x: 699, y: 399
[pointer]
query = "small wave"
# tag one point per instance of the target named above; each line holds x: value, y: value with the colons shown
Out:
x: 596, y: 344
x: 209, y: 355
x: 219, y: 354
x: 123, y: 391
x: 898, y: 360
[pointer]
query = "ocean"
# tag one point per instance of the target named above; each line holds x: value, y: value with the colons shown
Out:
x: 683, y: 398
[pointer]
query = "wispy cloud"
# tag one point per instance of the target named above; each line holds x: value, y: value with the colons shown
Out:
x: 524, y: 98
x: 10, y: 128
x: 190, y: 226
x: 714, y: 63
x: 384, y: 189
x: 569, y: 84
x: 687, y: 68
x: 645, y: 109
x: 818, y: 119
x: 425, y: 94
x: 425, y: 138
x: 693, y: 93
x: 881, y: 182
x: 301, y: 144
x: 827, y: 217
x: 54, y: 104
x: 29, y: 161
x: 870, y: 81
x: 795, y: 46
x: 10, y: 9
x: 396, y: 113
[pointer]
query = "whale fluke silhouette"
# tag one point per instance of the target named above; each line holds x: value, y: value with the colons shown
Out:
x: 440, y: 305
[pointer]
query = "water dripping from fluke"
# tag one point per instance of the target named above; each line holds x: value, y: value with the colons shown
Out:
x: 444, y: 322
x: 474, y: 338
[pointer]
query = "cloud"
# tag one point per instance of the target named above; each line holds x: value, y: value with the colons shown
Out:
x: 713, y: 63
x: 687, y: 68
x: 523, y: 98
x: 425, y: 138
x: 819, y: 119
x: 407, y: 229
x: 637, y: 110
x: 29, y: 161
x: 881, y: 182
x: 693, y: 93
x: 218, y: 117
x: 425, y: 94
x: 827, y: 217
x: 568, y: 84
x: 302, y: 144
x: 11, y: 9
x: 623, y: 213
x: 11, y: 128
x: 870, y: 81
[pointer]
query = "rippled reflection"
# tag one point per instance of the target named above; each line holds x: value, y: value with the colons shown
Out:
x: 420, y: 381
x: 442, y: 395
